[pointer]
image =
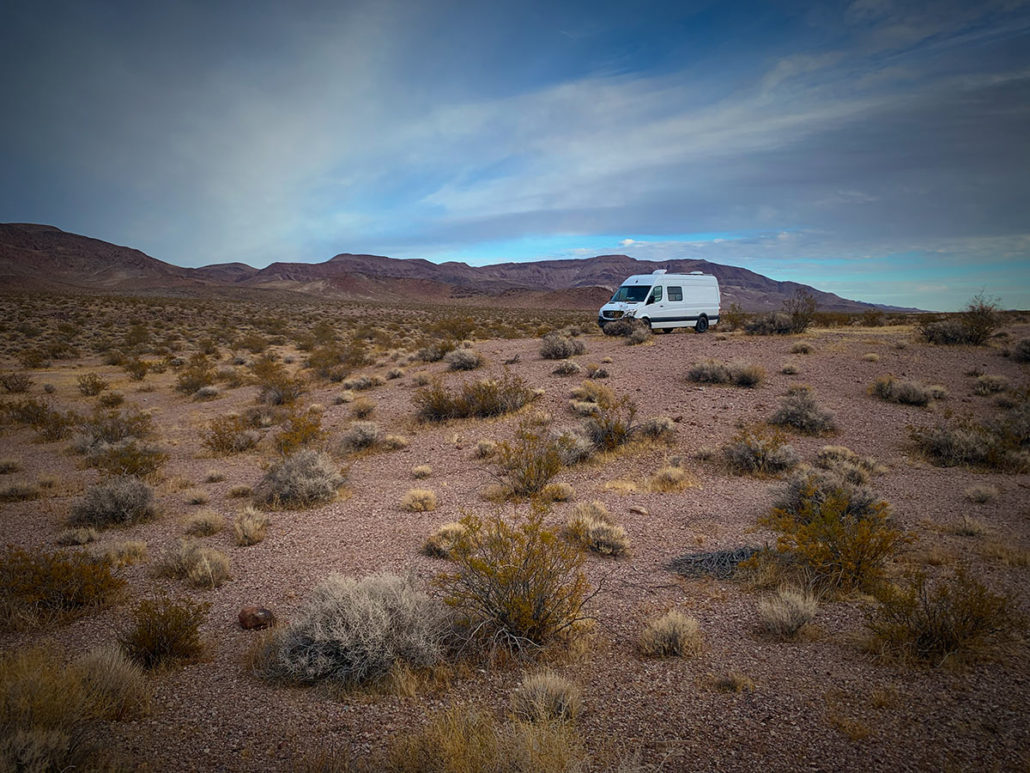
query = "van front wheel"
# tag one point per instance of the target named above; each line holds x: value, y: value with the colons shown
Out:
x: 701, y: 325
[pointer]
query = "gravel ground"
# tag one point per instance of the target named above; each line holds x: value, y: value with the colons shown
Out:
x: 818, y: 703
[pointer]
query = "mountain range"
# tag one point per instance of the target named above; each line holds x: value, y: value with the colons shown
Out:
x: 42, y: 258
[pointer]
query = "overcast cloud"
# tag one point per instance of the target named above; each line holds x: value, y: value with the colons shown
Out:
x: 875, y: 149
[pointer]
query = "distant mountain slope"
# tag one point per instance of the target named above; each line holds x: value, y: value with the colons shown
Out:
x: 41, y: 258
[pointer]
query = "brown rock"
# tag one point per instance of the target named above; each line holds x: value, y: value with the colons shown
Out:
x: 255, y: 618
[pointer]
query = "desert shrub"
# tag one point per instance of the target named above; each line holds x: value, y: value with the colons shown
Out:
x: 36, y: 585
x: 299, y: 429
x: 440, y: 544
x: 121, y: 501
x: 9, y: 465
x: 419, y: 500
x: 756, y: 450
x: 557, y: 492
x: 841, y: 549
x: 670, y: 478
x: 801, y: 347
x: 19, y: 492
x: 353, y: 632
x: 772, y: 323
x: 799, y: 411
x: 546, y: 697
x: 126, y: 553
x: 556, y: 346
x: 421, y: 471
x: 1021, y: 351
x: 517, y: 586
x: 229, y: 435
x: 359, y: 436
x: 905, y: 392
x: 199, y: 372
x: 801, y: 308
x: 714, y: 372
x: 849, y: 465
x: 48, y: 423
x: 163, y: 632
x: 981, y: 494
x: 480, y: 399
x: 302, y: 479
x: 787, y: 612
x: 91, y: 384
x: 275, y: 384
x: 249, y: 527
x: 434, y: 352
x: 111, y: 400
x: 528, y: 462
x: 362, y: 408
x: 611, y: 425
x: 807, y: 485
x: 988, y: 384
x: 974, y: 326
x: 80, y: 536
x: 108, y: 428
x: 640, y: 335
x: 464, y: 359
x: 15, y: 382
x: 394, y: 443
x: 934, y: 621
x: 202, y: 566
x: 566, y: 368
x: 204, y: 523
x: 135, y: 369
x: 592, y: 527
x: 671, y: 635
x: 128, y: 458
x: 362, y: 383
x: 994, y: 446
x: 621, y: 328
x: 115, y: 687
x: 469, y: 740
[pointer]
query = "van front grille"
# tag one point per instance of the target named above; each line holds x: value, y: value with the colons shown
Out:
x: 612, y: 314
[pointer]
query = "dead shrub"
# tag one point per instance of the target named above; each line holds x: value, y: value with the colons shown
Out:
x: 80, y: 536
x: 302, y: 479
x: 787, y: 612
x: 204, y: 523
x: 993, y: 446
x: 936, y: 621
x: 756, y: 450
x: 440, y: 544
x: 516, y: 586
x: 122, y: 501
x: 556, y: 346
x: 807, y: 484
x: 713, y: 372
x: 419, y: 500
x: 200, y: 372
x: 19, y: 492
x: 974, y: 326
x: 546, y: 697
x: 15, y: 382
x: 299, y: 430
x: 362, y: 408
x: 354, y: 632
x: 91, y: 384
x: 981, y: 494
x: 799, y: 411
x: 988, y: 384
x: 250, y: 527
x: 202, y: 566
x: 592, y: 527
x: 229, y: 435
x: 671, y: 635
x: 115, y: 687
x: 163, y: 632
x: 905, y: 392
x: 359, y: 436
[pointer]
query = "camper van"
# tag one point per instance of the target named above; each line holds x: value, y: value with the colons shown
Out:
x: 665, y: 301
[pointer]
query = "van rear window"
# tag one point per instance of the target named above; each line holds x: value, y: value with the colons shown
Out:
x: 675, y: 293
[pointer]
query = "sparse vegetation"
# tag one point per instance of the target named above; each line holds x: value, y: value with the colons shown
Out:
x: 527, y: 463
x: 419, y: 500
x: 202, y: 566
x: 787, y: 611
x: 974, y: 327
x: 556, y: 346
x: 163, y: 632
x: 759, y: 451
x: 441, y: 542
x: 671, y: 635
x: 463, y: 359
x: 591, y: 526
x: 799, y: 411
x: 229, y: 435
x: 204, y: 523
x: 546, y: 697
x: 715, y: 372
x: 905, y: 392
x: 474, y: 399
x: 117, y: 502
x: 300, y: 480
x: 250, y: 527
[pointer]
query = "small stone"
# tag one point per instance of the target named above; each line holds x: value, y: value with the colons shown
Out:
x: 255, y: 618
x: 639, y: 510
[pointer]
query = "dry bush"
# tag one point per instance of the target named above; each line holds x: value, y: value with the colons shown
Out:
x: 566, y: 368
x: 136, y: 369
x: 359, y: 436
x: 19, y: 492
x: 464, y: 359
x: 249, y: 527
x: 999, y: 445
x: 354, y: 632
x: 734, y: 681
x: 114, y: 685
x: 670, y: 479
x: 300, y: 480
x: 120, y: 501
x: 204, y: 523
x: 974, y: 326
x: 935, y: 621
x: 527, y: 463
x: 197, y: 497
x: 1021, y: 351
x: 479, y: 399
x: 520, y: 586
x: 799, y: 411
x: 468, y: 740
x: 15, y: 382
x: 108, y: 428
x: 788, y: 611
x: 9, y: 465
x: 840, y: 548
x: 419, y: 500
x: 756, y: 450
x: 299, y: 429
x: 968, y: 527
x: 817, y: 485
x: 421, y: 471
x: 905, y: 392
x: 202, y: 566
x: 557, y: 492
x: 275, y: 384
x: 394, y: 443
x: 671, y: 635
x: 229, y: 435
x: 126, y: 553
x: 362, y: 408
x: 771, y: 323
x: 111, y: 400
x: 163, y: 632
x: 848, y: 464
x: 871, y: 357
x: 91, y: 384
x: 988, y: 384
x: 611, y: 426
x: 714, y: 372
x: 35, y: 586
x: 591, y: 526
x: 198, y: 373
x: 556, y: 346
x: 981, y: 493
x: 546, y: 697
x: 239, y: 492
x: 440, y: 544
x: 80, y: 536
x: 801, y: 347
x: 640, y: 335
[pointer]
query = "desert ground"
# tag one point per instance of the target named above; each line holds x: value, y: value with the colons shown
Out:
x: 829, y: 696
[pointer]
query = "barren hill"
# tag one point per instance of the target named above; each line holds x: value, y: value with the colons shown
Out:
x: 41, y: 258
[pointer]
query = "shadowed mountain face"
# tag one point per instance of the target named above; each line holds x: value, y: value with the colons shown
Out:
x: 44, y: 258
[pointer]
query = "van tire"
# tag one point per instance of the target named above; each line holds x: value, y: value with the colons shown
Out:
x: 645, y: 322
x: 701, y: 325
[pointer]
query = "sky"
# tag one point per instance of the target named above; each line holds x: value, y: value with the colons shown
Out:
x: 876, y: 149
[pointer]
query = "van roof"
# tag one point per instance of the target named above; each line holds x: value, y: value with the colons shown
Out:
x: 650, y: 279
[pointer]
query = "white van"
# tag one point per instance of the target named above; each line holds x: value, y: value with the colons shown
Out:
x: 665, y: 301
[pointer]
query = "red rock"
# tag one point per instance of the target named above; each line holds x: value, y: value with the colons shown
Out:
x: 254, y: 618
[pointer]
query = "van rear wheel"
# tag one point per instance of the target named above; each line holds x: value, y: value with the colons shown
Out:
x: 701, y: 325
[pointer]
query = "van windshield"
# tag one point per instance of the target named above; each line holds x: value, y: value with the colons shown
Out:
x: 630, y: 294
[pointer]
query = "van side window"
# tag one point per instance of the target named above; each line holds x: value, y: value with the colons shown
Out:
x: 656, y: 295
x: 675, y: 293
